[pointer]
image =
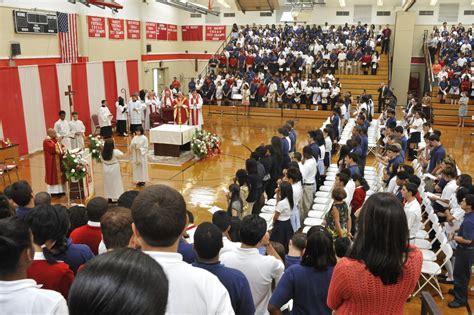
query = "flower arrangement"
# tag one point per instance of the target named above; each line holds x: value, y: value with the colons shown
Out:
x: 74, y: 166
x: 205, y: 143
x: 95, y: 147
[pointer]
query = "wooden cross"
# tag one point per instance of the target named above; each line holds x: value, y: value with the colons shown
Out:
x: 70, y: 93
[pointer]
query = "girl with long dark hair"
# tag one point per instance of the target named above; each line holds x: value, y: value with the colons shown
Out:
x: 381, y: 269
x: 253, y: 181
x: 282, y: 228
x: 112, y: 177
x: 235, y: 204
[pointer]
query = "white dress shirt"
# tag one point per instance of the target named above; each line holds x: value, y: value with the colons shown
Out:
x: 350, y: 189
x: 284, y: 209
x: 449, y: 190
x: 105, y: 117
x: 192, y: 290
x: 228, y: 245
x: 27, y: 297
x: 259, y: 270
x: 297, y: 193
x: 308, y: 171
x: 413, y: 213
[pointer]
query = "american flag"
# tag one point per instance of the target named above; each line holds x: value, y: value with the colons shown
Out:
x: 67, y: 28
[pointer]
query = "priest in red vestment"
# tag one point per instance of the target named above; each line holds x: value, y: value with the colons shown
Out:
x: 181, y: 111
x: 53, y: 154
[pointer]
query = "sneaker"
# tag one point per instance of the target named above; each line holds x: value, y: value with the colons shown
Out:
x: 456, y: 304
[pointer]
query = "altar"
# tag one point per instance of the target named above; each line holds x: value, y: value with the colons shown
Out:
x: 170, y: 140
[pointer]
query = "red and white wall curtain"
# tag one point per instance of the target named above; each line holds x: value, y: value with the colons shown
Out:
x: 32, y: 96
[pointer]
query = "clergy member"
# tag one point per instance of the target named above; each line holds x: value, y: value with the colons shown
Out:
x: 77, y: 131
x: 53, y: 153
x: 167, y: 99
x: 122, y: 113
x: 135, y: 110
x: 105, y: 120
x: 139, y: 150
x: 181, y: 112
x: 195, y: 110
x: 152, y: 110
x: 63, y: 131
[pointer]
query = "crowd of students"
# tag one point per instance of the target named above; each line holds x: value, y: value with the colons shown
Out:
x: 290, y: 64
x: 451, y: 54
x: 146, y: 254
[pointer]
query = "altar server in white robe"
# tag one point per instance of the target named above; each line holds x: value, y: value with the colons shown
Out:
x: 195, y: 106
x: 139, y: 150
x: 135, y: 110
x: 152, y: 106
x: 63, y: 130
x: 105, y: 120
x: 122, y: 113
x: 77, y: 131
x: 112, y: 177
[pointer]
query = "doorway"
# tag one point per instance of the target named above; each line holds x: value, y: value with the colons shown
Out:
x: 160, y: 77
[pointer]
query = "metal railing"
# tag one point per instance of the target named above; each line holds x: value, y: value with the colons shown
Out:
x: 204, y: 71
x: 429, y: 78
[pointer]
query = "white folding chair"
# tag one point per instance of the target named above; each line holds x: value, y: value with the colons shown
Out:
x: 430, y: 270
x: 312, y: 221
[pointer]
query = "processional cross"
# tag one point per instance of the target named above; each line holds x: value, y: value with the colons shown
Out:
x: 70, y: 93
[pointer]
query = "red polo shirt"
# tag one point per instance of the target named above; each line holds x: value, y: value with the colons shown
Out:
x: 89, y: 234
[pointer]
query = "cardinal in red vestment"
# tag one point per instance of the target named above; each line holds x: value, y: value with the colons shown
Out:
x: 53, y: 154
x: 181, y: 111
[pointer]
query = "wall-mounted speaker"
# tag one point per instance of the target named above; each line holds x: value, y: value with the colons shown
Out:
x: 195, y: 65
x: 15, y: 49
x: 160, y: 64
x: 148, y: 48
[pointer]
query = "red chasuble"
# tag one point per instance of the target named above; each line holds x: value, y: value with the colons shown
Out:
x: 88, y: 235
x: 180, y: 111
x: 53, y: 153
x: 57, y: 277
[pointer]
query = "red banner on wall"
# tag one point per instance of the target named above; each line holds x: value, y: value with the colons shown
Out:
x: 172, y: 32
x: 133, y: 29
x: 150, y: 29
x: 96, y: 26
x: 191, y: 32
x: 215, y: 33
x: 161, y: 31
x: 116, y: 28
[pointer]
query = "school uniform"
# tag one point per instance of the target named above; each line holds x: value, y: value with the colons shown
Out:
x: 57, y: 277
x: 89, y: 234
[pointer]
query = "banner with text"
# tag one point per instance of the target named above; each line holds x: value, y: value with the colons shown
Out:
x: 116, y: 28
x: 191, y: 32
x: 172, y: 33
x: 96, y: 26
x: 161, y: 31
x: 133, y: 29
x: 150, y: 28
x: 215, y: 33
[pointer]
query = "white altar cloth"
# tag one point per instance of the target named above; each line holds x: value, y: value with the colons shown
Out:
x: 172, y: 134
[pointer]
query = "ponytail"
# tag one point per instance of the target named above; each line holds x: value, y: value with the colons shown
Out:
x: 48, y: 254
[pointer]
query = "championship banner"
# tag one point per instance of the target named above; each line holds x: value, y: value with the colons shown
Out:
x: 116, y: 28
x: 215, y: 33
x: 133, y: 29
x: 172, y: 32
x: 161, y: 31
x: 150, y: 29
x: 191, y: 33
x: 96, y: 26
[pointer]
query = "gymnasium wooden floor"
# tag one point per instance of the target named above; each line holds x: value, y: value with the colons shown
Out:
x: 202, y: 183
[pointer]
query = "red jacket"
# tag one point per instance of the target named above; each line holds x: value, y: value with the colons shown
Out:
x: 88, y: 235
x: 249, y: 60
x: 57, y: 277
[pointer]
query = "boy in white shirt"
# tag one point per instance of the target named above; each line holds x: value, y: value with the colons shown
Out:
x: 260, y: 270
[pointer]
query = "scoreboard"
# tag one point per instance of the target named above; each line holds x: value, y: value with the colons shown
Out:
x: 35, y: 22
